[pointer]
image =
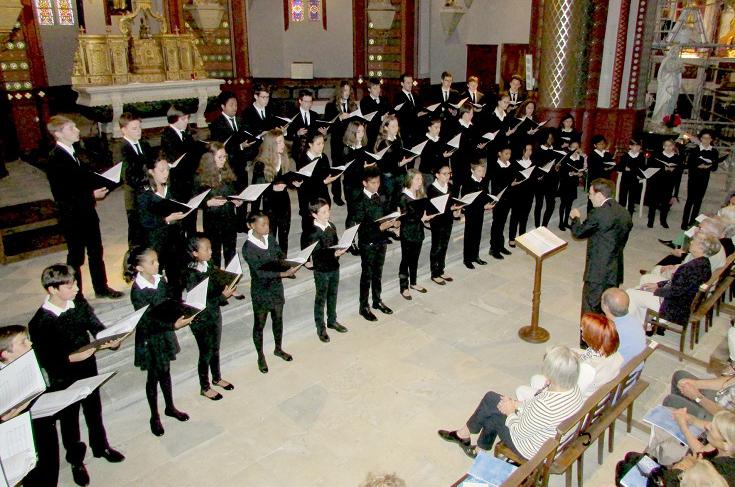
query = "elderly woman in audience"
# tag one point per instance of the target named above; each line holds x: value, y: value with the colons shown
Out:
x: 524, y: 426
x: 717, y: 446
x: 702, y: 398
x: 702, y: 474
x: 673, y: 298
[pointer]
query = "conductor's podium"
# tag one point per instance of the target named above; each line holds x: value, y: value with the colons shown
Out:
x: 28, y: 230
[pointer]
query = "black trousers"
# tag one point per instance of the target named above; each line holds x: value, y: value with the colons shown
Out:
x: 70, y: 435
x: 280, y: 226
x: 497, y: 228
x: 260, y: 313
x: 566, y: 200
x: 408, y: 268
x: 696, y: 188
x: 135, y: 233
x: 326, y: 283
x: 351, y: 196
x: 159, y: 376
x: 630, y: 192
x: 46, y: 471
x: 489, y: 422
x: 519, y: 215
x: 208, y: 340
x: 85, y: 235
x: 544, y: 195
x: 372, y: 258
x: 440, y: 236
x: 473, y: 222
x: 223, y: 239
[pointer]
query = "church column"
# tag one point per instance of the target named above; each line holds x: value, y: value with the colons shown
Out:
x: 621, y: 43
x: 595, y: 45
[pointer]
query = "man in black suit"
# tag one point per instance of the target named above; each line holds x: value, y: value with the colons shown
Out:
x: 445, y: 95
x: 408, y: 112
x: 372, y: 242
x: 135, y: 153
x: 607, y: 228
x: 340, y: 108
x: 303, y: 125
x: 374, y: 103
x: 516, y: 92
x: 228, y: 128
x: 72, y: 186
x: 176, y: 141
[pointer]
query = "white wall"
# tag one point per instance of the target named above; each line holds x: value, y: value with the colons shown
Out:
x: 486, y: 22
x: 59, y: 44
x: 272, y: 50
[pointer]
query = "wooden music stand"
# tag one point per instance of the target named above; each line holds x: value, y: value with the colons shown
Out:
x: 540, y: 244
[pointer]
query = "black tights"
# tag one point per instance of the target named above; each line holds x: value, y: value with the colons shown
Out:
x: 261, y: 315
x: 156, y: 377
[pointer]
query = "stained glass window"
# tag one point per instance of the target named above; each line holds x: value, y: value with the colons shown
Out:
x: 297, y: 10
x: 65, y: 12
x: 45, y: 12
x: 315, y: 10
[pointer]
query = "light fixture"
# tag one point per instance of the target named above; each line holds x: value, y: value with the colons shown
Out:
x: 381, y: 14
x: 9, y: 12
x: 207, y: 13
x: 451, y: 13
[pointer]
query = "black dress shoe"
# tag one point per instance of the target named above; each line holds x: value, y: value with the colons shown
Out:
x: 228, y: 387
x: 217, y: 396
x: 337, y: 327
x: 668, y: 243
x: 262, y: 364
x: 447, y: 278
x: 684, y: 226
x: 469, y: 265
x: 156, y: 427
x: 176, y: 414
x: 366, y: 313
x: 405, y: 296
x: 239, y: 297
x: 452, y: 437
x: 339, y: 202
x: 505, y: 251
x: 80, y: 475
x: 380, y: 306
x: 497, y: 255
x: 109, y: 454
x: 438, y: 280
x: 109, y: 293
x: 480, y: 261
x: 664, y: 224
x: 322, y: 334
x: 650, y: 225
x: 280, y: 353
x: 562, y: 227
x: 512, y: 245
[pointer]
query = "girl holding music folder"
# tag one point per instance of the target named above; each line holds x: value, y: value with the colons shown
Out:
x: 570, y: 171
x: 525, y: 126
x: 207, y: 325
x: 315, y: 186
x: 521, y: 195
x: 267, y: 268
x: 435, y: 151
x: 160, y: 224
x: 702, y: 161
x: 660, y: 186
x: 270, y: 166
x: 441, y: 224
x: 566, y: 133
x: 631, y: 167
x: 393, y: 163
x: 412, y: 204
x: 546, y: 175
x: 354, y: 145
x: 220, y: 221
x: 155, y: 338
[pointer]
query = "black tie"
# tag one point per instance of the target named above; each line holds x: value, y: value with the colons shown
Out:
x: 344, y: 107
x: 375, y: 197
x: 138, y: 150
x: 410, y: 98
x: 306, y: 120
x: 446, y: 95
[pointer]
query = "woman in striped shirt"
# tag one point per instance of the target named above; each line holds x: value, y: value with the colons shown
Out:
x: 525, y: 426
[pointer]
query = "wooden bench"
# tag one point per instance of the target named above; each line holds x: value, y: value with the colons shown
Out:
x: 719, y: 359
x: 28, y: 230
x: 708, y: 297
x: 594, y: 418
x: 534, y: 472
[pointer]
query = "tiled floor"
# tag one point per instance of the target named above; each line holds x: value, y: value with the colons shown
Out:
x: 372, y: 399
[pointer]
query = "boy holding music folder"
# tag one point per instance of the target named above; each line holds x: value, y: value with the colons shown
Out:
x: 370, y: 214
x: 60, y: 329
x: 325, y: 258
x: 475, y: 201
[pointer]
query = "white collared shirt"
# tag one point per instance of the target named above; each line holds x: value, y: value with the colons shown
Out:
x: 475, y: 179
x: 305, y: 116
x: 367, y: 193
x: 500, y: 113
x: 202, y: 266
x: 437, y: 185
x: 165, y: 191
x: 49, y: 306
x: 408, y: 193
x: 503, y: 164
x: 357, y: 145
x: 180, y: 133
x: 601, y: 153
x: 135, y: 144
x: 311, y: 155
x: 67, y: 148
x: 574, y: 157
x: 256, y: 241
x: 375, y: 98
x: 546, y: 147
x: 464, y: 123
x: 526, y: 163
x: 278, y: 162
x: 445, y: 95
x: 701, y: 147
x: 668, y: 154
x: 323, y: 228
x: 432, y: 138
x: 408, y: 94
x: 631, y: 154
x: 144, y: 283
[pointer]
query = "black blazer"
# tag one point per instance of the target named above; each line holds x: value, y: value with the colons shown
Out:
x: 276, y: 203
x: 72, y: 186
x: 412, y: 228
x: 220, y: 130
x: 338, y: 127
x: 367, y: 106
x: 476, y: 209
x: 444, y: 220
x: 266, y: 288
x: 323, y: 256
x: 437, y: 96
x: 134, y: 164
x: 299, y: 141
x: 408, y: 114
x: 679, y: 292
x: 155, y: 340
x: 182, y: 176
x: 606, y: 230
x: 367, y: 210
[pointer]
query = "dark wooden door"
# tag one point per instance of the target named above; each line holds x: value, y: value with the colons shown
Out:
x: 482, y: 61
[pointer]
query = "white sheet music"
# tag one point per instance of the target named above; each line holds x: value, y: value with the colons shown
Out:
x: 172, y: 165
x: 345, y: 241
x: 234, y: 266
x: 308, y: 169
x: 114, y: 173
x: 546, y: 167
x: 526, y: 173
x: 490, y: 135
x: 125, y: 325
x: 197, y: 297
x: 252, y: 192
x: 440, y: 202
x: 433, y: 107
x: 390, y: 216
x: 20, y: 381
x: 469, y: 198
x: 378, y: 155
x: 399, y: 106
x: 17, y: 450
x: 418, y: 148
x: 540, y: 241
x: 303, y: 255
x: 650, y: 172
x: 460, y: 103
x: 455, y: 141
x: 497, y: 197
x: 53, y: 402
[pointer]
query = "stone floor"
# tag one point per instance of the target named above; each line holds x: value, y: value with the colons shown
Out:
x: 369, y: 401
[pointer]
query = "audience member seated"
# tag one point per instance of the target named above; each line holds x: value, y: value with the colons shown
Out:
x: 702, y: 474
x: 632, y: 337
x: 524, y: 426
x: 673, y: 298
x: 702, y: 398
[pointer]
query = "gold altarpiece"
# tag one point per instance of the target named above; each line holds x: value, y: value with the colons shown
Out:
x: 119, y: 59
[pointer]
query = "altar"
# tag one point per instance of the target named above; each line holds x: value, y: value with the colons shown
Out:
x: 117, y: 95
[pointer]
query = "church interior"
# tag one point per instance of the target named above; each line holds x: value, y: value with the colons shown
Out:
x: 370, y: 402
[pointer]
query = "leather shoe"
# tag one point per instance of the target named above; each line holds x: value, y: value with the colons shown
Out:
x: 262, y: 364
x: 228, y: 387
x: 109, y: 454
x: 452, y: 437
x: 469, y: 265
x: 217, y: 396
x: 406, y: 295
x: 497, y: 255
x: 667, y: 243
x: 337, y: 327
x: 664, y: 224
x: 447, y: 278
x: 512, y: 244
x: 420, y: 289
x: 505, y: 251
x: 322, y: 333
x: 80, y: 474
x: 480, y: 261
x: 109, y: 293
x: 157, y: 427
x: 367, y: 313
x: 438, y: 280
x: 380, y: 306
x: 280, y: 353
x: 175, y: 413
